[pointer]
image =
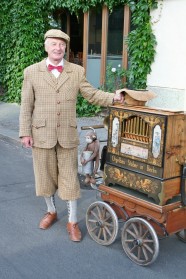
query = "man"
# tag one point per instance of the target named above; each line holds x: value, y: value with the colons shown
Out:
x: 48, y: 125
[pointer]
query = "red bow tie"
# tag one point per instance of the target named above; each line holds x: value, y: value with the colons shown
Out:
x: 59, y: 68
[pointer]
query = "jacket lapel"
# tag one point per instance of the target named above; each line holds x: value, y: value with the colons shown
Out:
x: 46, y: 75
x: 64, y: 76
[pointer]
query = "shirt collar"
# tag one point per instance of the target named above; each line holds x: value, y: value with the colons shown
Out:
x: 49, y: 62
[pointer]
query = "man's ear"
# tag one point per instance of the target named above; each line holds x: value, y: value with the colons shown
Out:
x: 45, y: 45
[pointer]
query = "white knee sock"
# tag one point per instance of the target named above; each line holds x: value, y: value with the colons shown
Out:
x: 50, y: 204
x: 72, y: 211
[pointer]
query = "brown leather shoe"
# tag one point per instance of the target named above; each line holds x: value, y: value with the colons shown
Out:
x: 47, y: 220
x: 74, y: 231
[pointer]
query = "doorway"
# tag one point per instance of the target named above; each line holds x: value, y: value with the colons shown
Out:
x: 76, y: 39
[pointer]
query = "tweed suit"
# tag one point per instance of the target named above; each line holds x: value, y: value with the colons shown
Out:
x: 48, y: 115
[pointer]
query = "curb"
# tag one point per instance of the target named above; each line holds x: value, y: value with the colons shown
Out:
x: 10, y: 140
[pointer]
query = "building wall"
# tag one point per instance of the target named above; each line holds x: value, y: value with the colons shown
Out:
x: 168, y: 76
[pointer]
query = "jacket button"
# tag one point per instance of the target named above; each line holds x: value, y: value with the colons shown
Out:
x: 57, y: 91
x: 58, y: 113
x: 58, y: 125
x: 58, y: 102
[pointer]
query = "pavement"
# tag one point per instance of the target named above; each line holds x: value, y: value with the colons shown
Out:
x: 9, y: 127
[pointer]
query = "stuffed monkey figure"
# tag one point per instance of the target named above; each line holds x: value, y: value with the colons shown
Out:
x: 93, y: 146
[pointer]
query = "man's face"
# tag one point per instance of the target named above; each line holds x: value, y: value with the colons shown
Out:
x: 55, y: 49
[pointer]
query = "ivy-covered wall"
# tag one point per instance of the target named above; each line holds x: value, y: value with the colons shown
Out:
x: 23, y: 24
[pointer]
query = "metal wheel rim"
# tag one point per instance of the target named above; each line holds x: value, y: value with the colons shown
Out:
x: 140, y: 241
x: 181, y: 235
x: 102, y: 223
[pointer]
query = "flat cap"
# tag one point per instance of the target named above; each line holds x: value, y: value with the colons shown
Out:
x: 56, y: 33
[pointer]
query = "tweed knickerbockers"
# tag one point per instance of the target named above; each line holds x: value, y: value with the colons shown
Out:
x: 56, y: 169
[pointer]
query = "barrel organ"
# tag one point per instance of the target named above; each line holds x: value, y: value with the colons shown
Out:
x: 146, y: 148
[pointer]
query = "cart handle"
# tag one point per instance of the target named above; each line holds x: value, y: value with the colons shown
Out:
x: 93, y: 126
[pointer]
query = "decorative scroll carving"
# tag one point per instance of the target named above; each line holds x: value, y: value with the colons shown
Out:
x: 135, y: 181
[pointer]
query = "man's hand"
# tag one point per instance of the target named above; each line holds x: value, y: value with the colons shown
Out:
x: 119, y: 97
x: 27, y: 142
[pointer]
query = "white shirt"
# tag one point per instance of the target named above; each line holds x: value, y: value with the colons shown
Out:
x: 55, y: 72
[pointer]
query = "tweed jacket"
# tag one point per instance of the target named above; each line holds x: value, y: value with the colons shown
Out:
x: 48, y: 105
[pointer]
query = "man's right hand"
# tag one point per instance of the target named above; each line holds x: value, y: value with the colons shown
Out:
x: 27, y: 142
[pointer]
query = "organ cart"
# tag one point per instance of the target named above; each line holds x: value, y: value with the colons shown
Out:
x: 144, y: 181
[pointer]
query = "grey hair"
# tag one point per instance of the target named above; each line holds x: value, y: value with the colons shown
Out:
x: 46, y: 41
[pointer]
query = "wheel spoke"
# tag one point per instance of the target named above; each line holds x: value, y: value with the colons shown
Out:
x: 145, y: 234
x: 148, y: 241
x: 140, y: 229
x: 93, y: 229
x: 133, y: 248
x: 99, y: 212
x: 108, y: 217
x: 108, y: 231
x: 148, y: 248
x: 99, y: 233
x: 139, y: 253
x: 104, y: 212
x: 104, y: 234
x: 92, y: 221
x: 131, y: 233
x: 109, y: 224
x: 145, y: 253
x: 129, y: 240
x: 95, y: 215
x: 135, y: 228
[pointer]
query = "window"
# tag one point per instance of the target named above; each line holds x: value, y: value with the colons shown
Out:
x: 95, y: 27
x: 115, y: 32
x: 94, y: 46
x: 115, y: 37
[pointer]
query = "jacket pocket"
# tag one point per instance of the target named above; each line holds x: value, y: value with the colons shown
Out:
x: 39, y: 132
x: 72, y: 134
x: 73, y: 123
x: 38, y: 123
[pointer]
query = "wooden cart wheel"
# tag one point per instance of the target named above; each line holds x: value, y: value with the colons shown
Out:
x: 140, y: 241
x: 102, y: 223
x: 182, y: 235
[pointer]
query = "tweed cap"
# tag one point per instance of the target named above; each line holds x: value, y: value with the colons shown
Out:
x: 56, y: 33
x: 140, y: 95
